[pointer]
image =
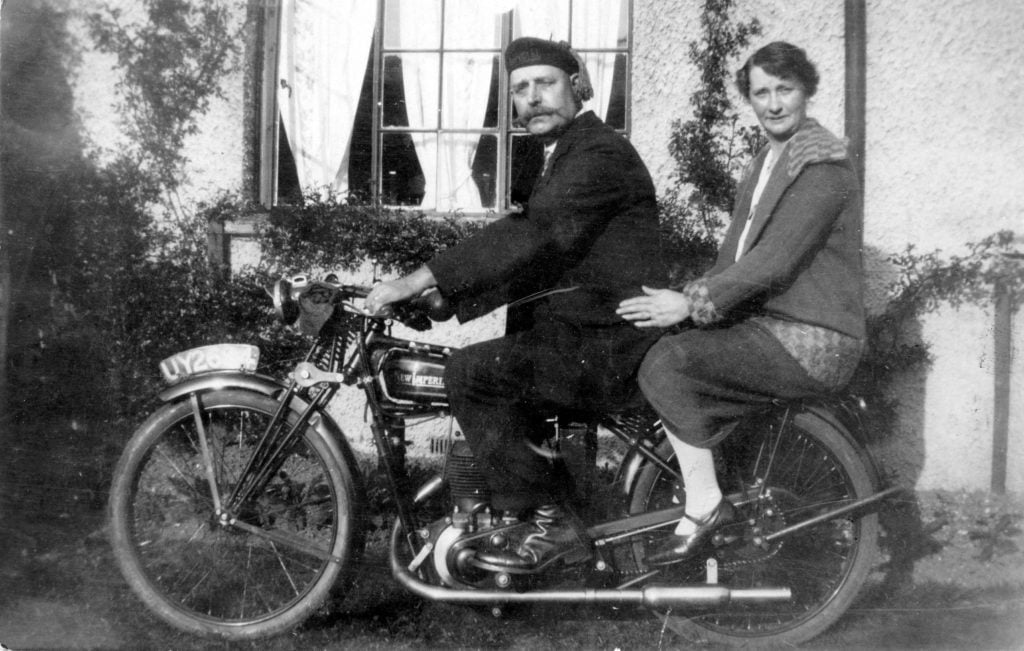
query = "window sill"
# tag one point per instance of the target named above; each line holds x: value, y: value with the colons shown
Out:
x: 245, y: 226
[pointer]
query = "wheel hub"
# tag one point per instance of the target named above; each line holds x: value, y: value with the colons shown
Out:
x: 744, y: 542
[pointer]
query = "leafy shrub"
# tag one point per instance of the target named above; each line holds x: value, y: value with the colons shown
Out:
x: 102, y: 289
x: 335, y: 234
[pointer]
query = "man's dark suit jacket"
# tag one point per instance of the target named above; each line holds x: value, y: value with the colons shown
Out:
x: 590, y: 227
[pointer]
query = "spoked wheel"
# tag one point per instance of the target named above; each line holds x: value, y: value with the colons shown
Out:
x: 777, y: 482
x: 252, y: 570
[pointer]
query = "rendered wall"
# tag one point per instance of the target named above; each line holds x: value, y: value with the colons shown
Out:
x: 216, y: 154
x: 944, y: 167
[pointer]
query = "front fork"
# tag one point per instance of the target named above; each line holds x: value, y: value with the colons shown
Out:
x: 270, y: 452
x: 389, y: 439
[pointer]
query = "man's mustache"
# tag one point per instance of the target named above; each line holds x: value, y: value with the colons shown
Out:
x: 524, y: 118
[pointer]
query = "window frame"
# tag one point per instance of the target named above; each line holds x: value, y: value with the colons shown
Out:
x: 270, y: 131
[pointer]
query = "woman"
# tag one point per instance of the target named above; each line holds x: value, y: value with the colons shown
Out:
x: 780, y: 315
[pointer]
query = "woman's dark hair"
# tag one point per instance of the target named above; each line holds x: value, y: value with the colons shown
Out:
x: 782, y: 60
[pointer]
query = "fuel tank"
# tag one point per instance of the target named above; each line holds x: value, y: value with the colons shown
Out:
x: 413, y: 377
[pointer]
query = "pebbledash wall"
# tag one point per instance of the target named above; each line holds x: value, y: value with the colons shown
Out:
x: 944, y: 167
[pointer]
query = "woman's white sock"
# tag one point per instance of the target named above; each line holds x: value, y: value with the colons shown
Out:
x: 702, y: 491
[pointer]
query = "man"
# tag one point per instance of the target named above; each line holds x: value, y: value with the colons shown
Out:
x: 587, y: 239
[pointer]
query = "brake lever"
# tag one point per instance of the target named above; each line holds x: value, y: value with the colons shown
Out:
x: 384, y: 313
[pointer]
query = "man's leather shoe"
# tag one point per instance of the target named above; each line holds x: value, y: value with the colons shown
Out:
x: 675, y: 549
x: 558, y: 535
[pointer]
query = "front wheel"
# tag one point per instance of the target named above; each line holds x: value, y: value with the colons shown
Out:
x: 248, y: 571
x: 777, y: 481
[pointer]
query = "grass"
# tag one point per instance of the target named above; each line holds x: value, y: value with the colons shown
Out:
x: 953, y: 577
x: 70, y: 573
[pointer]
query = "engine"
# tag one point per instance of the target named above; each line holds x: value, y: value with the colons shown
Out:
x: 469, y: 492
x: 470, y: 525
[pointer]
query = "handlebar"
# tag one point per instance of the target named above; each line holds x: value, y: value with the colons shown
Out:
x: 417, y: 313
x: 434, y: 305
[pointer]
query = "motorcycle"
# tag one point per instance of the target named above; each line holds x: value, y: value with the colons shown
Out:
x: 238, y: 506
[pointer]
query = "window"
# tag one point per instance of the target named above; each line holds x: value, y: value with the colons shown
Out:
x: 406, y: 102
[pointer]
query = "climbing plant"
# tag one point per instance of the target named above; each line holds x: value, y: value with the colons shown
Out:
x: 923, y: 283
x: 711, y: 146
x: 173, y: 56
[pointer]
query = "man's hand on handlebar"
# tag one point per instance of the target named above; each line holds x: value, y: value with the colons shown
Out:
x: 401, y: 289
x: 388, y: 292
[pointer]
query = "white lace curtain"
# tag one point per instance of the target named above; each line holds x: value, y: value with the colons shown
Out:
x: 324, y: 49
x: 447, y: 164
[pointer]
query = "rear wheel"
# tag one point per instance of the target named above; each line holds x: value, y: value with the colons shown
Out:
x: 776, y: 482
x: 266, y: 565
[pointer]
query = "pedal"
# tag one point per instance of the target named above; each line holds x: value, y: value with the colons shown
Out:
x: 420, y: 557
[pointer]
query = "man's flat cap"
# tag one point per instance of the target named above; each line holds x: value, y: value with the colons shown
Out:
x: 530, y: 51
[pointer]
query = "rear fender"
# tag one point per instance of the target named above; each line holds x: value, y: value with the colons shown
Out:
x: 844, y: 417
x: 837, y: 416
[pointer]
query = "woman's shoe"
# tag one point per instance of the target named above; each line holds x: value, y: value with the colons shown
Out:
x: 679, y: 548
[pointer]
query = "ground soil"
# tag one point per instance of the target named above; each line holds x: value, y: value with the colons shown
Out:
x: 952, y: 578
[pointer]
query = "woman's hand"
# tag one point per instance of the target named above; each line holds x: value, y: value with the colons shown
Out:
x: 657, y: 308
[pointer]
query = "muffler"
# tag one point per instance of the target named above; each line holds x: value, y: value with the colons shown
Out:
x: 652, y: 596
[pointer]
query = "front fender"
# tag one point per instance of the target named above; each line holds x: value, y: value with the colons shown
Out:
x: 269, y: 386
x: 222, y: 380
x: 326, y: 428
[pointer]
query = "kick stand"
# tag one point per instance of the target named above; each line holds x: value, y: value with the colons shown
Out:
x: 712, y: 571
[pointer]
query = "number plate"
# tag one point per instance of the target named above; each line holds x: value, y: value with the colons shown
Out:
x: 218, y: 357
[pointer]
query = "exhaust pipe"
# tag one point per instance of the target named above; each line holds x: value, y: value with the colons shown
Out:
x: 653, y: 596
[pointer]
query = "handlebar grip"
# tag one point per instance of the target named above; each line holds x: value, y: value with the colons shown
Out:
x: 436, y: 306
